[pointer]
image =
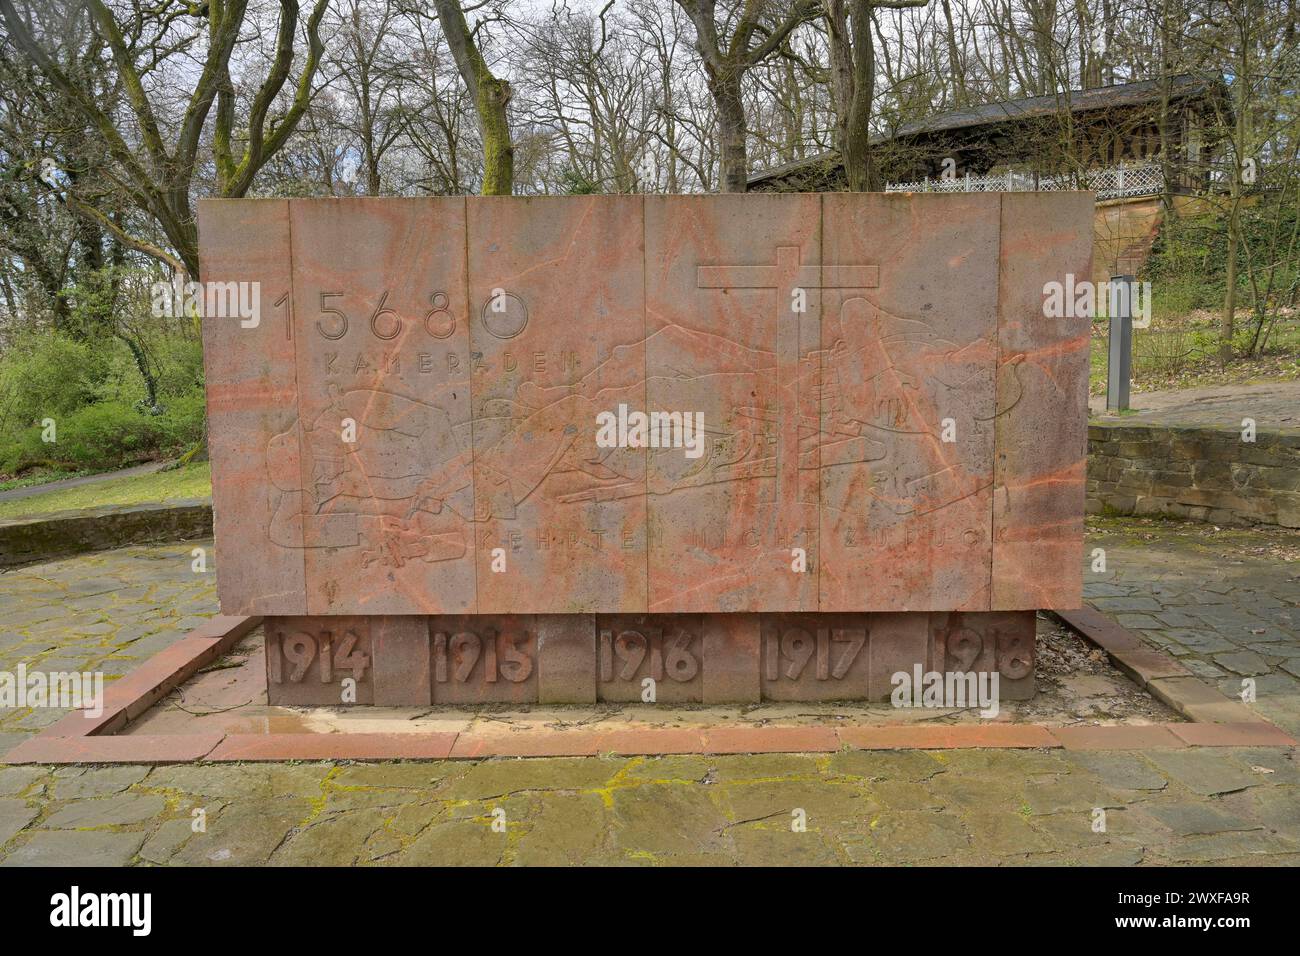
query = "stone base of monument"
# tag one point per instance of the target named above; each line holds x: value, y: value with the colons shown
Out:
x: 414, y: 660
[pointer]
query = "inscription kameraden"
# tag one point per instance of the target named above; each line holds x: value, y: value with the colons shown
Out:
x: 620, y: 405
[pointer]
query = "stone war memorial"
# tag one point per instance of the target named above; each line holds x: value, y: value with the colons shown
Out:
x: 753, y: 447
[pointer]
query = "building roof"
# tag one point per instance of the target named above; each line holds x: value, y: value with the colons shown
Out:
x: 1182, y: 86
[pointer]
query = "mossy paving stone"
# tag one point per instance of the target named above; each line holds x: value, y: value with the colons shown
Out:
x: 123, y: 809
x: 668, y: 819
x: 332, y: 839
x: 419, y: 776
x: 683, y: 768
x: 565, y: 830
x: 1120, y: 771
x: 1098, y: 856
x: 492, y: 778
x: 14, y: 815
x: 1245, y: 663
x: 517, y: 807
x: 1223, y: 846
x: 454, y: 843
x: 912, y: 836
x: 904, y: 795
x: 1286, y: 770
x: 402, y: 825
x: 16, y: 780
x: 75, y: 848
x: 914, y: 766
x: 244, y: 833
x: 1003, y: 833
x: 75, y: 783
x: 388, y: 785
x: 1018, y: 763
x: 240, y: 781
x: 1198, y: 819
x: 764, y: 767
x: 1072, y: 829
x: 969, y: 792
x: 1075, y: 792
x: 776, y: 844
x: 163, y: 843
x: 1205, y: 771
x: 1277, y: 808
x: 824, y: 803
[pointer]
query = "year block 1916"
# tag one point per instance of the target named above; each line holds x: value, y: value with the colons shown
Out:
x: 418, y: 660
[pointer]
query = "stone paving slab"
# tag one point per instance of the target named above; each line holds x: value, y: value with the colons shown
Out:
x: 1224, y: 804
x: 732, y: 809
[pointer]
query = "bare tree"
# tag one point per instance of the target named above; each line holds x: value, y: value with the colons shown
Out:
x: 490, y: 94
x: 156, y: 176
x: 756, y: 33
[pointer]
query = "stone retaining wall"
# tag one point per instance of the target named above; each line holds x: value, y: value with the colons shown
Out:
x: 1206, y: 474
x: 46, y: 537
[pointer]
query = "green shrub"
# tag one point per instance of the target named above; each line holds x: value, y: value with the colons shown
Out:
x: 109, y: 435
x: 47, y: 375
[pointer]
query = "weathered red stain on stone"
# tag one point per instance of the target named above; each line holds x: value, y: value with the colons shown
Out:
x: 1041, y: 425
x: 252, y: 397
x: 833, y: 345
x: 557, y: 326
x: 385, y: 491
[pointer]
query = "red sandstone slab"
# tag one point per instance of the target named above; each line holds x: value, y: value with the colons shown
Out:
x: 550, y: 743
x: 820, y: 656
x: 1146, y: 666
x: 278, y: 747
x: 904, y: 422
x: 159, y: 675
x: 134, y: 748
x: 557, y: 331
x: 1257, y: 733
x: 321, y: 661
x: 402, y: 661
x: 484, y: 659
x: 634, y: 649
x: 131, y: 695
x: 252, y: 398
x: 1149, y: 737
x: 940, y: 737
x: 898, y: 643
x: 652, y: 742
x: 80, y: 723
x: 1042, y: 411
x: 379, y: 483
x: 732, y: 650
x: 762, y: 740
x: 1198, y: 701
x: 566, y: 658
x: 726, y: 279
x: 1101, y: 630
x: 227, y: 628
x: 1004, y: 642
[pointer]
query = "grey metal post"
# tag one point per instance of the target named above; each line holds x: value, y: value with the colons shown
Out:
x: 1119, y: 364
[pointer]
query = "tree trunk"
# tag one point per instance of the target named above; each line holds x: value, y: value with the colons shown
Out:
x: 491, y: 97
x: 732, y: 130
x: 859, y: 170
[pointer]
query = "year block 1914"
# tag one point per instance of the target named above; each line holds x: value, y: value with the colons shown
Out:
x: 418, y: 660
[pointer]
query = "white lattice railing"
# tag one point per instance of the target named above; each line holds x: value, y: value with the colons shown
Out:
x: 1113, y: 182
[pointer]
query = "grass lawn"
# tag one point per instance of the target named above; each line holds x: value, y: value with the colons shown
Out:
x: 189, y: 481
